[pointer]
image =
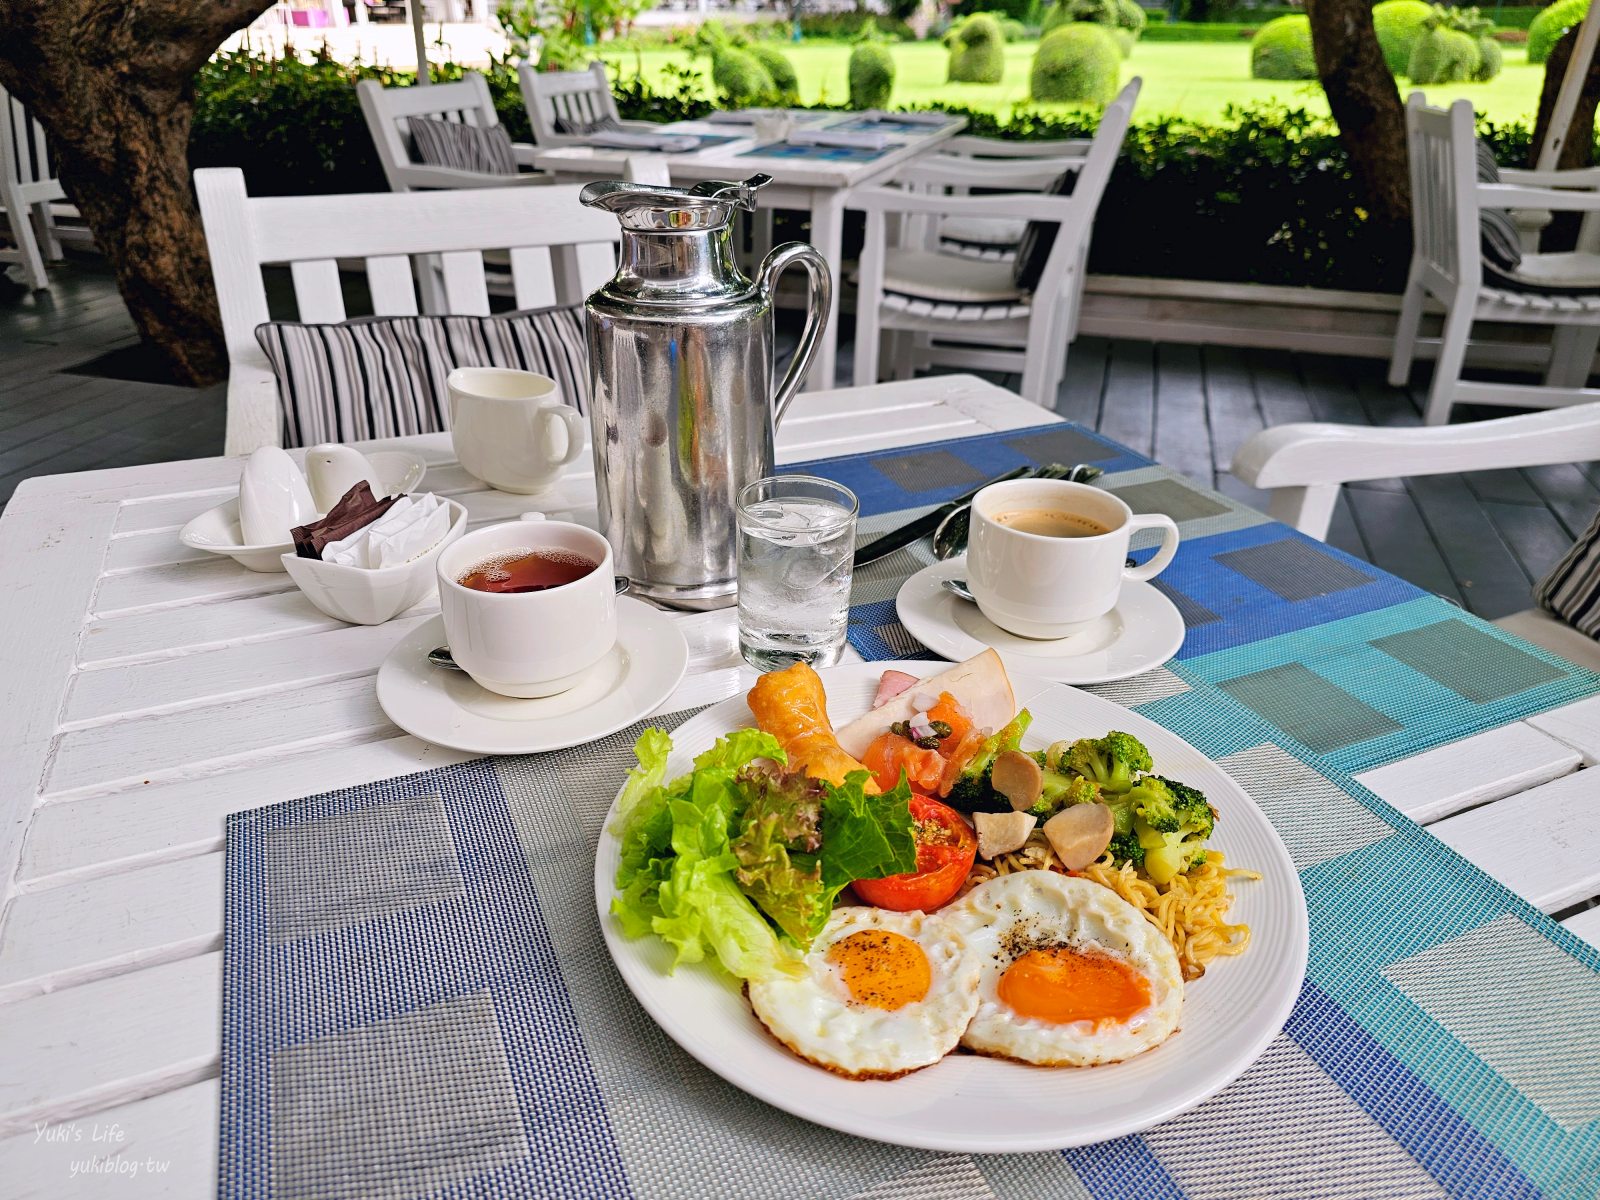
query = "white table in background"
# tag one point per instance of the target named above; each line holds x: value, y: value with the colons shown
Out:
x: 149, y: 690
x: 815, y: 186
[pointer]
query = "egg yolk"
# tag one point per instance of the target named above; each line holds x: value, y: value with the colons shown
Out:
x: 1062, y: 984
x: 881, y: 969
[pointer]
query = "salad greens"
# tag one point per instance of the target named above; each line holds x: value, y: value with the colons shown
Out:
x: 739, y: 863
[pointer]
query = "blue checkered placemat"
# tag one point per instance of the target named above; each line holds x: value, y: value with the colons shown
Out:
x: 815, y: 153
x: 417, y: 1001
x: 1339, y: 658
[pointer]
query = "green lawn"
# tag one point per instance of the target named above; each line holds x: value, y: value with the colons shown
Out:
x: 1192, y: 79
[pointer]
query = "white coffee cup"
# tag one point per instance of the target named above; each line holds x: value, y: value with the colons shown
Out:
x: 529, y: 643
x: 1041, y: 586
x: 503, y: 424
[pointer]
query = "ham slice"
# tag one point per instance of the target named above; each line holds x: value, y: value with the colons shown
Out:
x: 979, y: 683
x: 891, y: 685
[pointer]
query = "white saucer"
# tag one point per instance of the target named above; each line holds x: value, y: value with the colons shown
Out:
x: 1141, y: 633
x: 448, y: 709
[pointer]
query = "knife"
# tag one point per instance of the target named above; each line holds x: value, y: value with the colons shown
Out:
x: 924, y: 525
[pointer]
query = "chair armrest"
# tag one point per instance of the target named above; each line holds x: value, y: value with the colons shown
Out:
x: 449, y: 177
x: 1306, y: 455
x: 1502, y: 195
x: 1587, y: 177
x: 523, y: 152
x: 1025, y: 174
x: 1028, y: 206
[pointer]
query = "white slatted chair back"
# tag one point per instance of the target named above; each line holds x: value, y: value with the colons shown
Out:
x: 388, y: 113
x: 1441, y: 150
x: 572, y: 98
x: 314, y: 235
x: 28, y: 186
x: 970, y: 145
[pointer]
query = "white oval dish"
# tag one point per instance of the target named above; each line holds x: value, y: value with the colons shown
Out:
x: 217, y: 529
x: 967, y: 1103
x: 371, y: 596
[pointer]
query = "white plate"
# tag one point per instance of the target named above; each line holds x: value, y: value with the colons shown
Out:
x: 981, y: 1105
x: 217, y: 529
x: 1142, y: 632
x: 448, y: 709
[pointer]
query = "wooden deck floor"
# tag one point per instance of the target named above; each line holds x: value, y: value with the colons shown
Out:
x: 1479, y: 539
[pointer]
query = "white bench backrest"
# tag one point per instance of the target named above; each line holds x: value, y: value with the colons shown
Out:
x: 572, y: 97
x: 312, y: 235
x: 25, y: 154
x: 388, y: 112
x: 1441, y: 149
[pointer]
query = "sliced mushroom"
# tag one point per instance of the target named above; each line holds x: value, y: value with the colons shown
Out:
x: 1018, y: 778
x: 1080, y: 833
x: 1001, y: 833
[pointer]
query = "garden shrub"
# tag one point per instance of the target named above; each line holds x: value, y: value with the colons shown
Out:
x: 1077, y: 62
x: 1443, y: 56
x: 977, y: 51
x: 1124, y: 19
x: 1024, y: 12
x: 1400, y: 26
x: 740, y: 77
x: 871, y: 76
x: 1549, y: 26
x: 1490, y: 59
x: 1281, y: 49
x: 785, y: 83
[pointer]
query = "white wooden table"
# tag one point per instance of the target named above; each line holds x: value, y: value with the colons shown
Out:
x: 149, y: 690
x: 814, y: 186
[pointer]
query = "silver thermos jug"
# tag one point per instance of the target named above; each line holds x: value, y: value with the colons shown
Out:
x: 682, y: 401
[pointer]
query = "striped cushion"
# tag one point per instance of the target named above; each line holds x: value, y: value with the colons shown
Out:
x: 483, y: 149
x: 385, y: 376
x: 1572, y: 589
x: 1500, y: 243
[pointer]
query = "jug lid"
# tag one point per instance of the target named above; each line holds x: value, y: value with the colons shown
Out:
x: 650, y: 208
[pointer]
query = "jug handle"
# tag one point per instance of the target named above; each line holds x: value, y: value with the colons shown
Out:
x: 821, y: 279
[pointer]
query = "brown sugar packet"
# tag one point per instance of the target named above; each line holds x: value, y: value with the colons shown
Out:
x: 356, y: 510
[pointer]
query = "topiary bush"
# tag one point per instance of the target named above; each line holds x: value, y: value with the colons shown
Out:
x: 1490, y: 59
x: 1124, y: 19
x: 1547, y: 28
x: 1443, y: 56
x: 740, y: 77
x: 871, y: 75
x: 977, y: 51
x: 1400, y: 25
x: 785, y: 83
x: 1078, y: 62
x: 1281, y: 49
x: 1057, y: 15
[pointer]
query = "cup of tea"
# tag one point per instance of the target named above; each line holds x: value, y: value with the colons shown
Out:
x: 510, y: 428
x: 529, y: 606
x: 1047, y: 558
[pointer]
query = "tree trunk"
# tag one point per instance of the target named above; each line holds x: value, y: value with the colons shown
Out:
x: 112, y: 82
x: 1366, y: 104
x: 1578, y: 149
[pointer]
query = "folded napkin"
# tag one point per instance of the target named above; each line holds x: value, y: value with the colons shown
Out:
x: 622, y: 139
x: 412, y: 527
x: 844, y: 141
x: 904, y: 118
x: 356, y: 509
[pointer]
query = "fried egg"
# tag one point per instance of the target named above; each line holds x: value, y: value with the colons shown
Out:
x: 883, y: 993
x: 1070, y: 973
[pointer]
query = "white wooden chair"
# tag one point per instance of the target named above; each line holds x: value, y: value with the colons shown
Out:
x: 574, y: 99
x: 968, y: 312
x: 992, y: 238
x: 388, y: 112
x: 1303, y: 465
x: 1447, y: 265
x: 28, y: 188
x: 971, y: 145
x: 312, y: 235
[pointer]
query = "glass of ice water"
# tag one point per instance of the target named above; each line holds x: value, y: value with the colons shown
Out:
x: 797, y: 543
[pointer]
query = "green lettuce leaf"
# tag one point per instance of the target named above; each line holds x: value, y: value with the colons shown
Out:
x: 866, y: 837
x: 779, y: 833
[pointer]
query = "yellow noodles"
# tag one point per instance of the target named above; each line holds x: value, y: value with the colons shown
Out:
x: 1191, y: 911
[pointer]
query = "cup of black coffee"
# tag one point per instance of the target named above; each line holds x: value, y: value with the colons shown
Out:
x: 529, y: 606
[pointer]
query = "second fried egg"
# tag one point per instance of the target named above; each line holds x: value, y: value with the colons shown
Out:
x: 1070, y: 974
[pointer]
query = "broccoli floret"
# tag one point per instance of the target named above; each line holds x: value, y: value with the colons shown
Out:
x: 972, y: 791
x: 1111, y: 761
x: 1125, y: 847
x: 1171, y: 851
x: 1154, y: 804
x: 1060, y: 790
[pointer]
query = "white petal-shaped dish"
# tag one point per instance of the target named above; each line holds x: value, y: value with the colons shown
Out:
x: 982, y: 1105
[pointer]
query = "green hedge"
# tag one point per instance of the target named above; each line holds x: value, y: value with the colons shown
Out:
x: 1547, y: 28
x: 785, y: 83
x: 1282, y: 50
x: 1192, y: 31
x: 1080, y: 62
x: 1400, y: 25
